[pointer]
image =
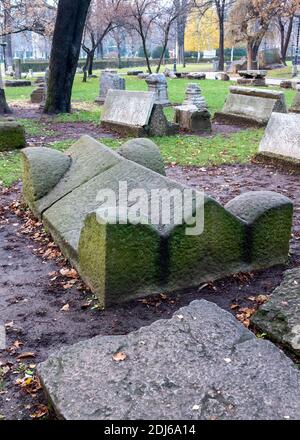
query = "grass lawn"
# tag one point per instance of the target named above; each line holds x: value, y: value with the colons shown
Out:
x: 182, y: 150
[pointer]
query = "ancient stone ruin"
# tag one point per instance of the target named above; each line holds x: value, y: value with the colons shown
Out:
x: 38, y: 96
x: 252, y: 78
x: 295, y: 108
x: 281, y: 142
x: 193, y: 114
x: 12, y: 135
x: 133, y: 259
x: 158, y: 85
x: 222, y: 76
x: 17, y: 68
x: 200, y: 365
x: 279, y: 318
x: 250, y: 106
x: 109, y: 81
x: 135, y: 114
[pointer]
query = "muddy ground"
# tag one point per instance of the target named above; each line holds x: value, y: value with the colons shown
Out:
x: 34, y: 294
x: 44, y: 306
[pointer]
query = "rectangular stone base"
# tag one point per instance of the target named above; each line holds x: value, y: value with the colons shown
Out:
x: 283, y: 162
x: 100, y: 101
x: 258, y: 82
x: 233, y: 119
x: 125, y: 130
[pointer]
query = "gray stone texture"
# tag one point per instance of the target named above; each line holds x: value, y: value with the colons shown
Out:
x: 193, y: 114
x: 144, y: 152
x: 135, y: 114
x: 12, y: 135
x: 279, y: 318
x: 222, y: 76
x: 200, y: 365
x: 295, y: 108
x: 109, y: 81
x: 18, y: 68
x: 251, y: 106
x: 123, y: 261
x: 282, y: 136
x: 158, y: 85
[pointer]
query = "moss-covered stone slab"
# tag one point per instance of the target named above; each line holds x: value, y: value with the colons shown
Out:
x: 144, y: 152
x: 200, y: 365
x: 43, y: 168
x: 268, y: 217
x: 279, y: 318
x: 88, y: 159
x: 12, y: 135
x: 250, y: 106
x: 282, y: 136
x: 145, y: 254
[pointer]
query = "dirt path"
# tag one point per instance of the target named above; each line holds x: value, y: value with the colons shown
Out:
x: 44, y: 310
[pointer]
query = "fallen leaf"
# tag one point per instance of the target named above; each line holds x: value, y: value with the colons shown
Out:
x: 41, y: 411
x: 25, y: 355
x: 65, y: 308
x: 119, y: 357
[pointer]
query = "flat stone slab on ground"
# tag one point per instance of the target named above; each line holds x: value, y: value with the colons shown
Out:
x: 279, y: 318
x: 251, y: 106
x: 128, y: 108
x: 282, y: 136
x: 200, y: 365
x: 17, y: 83
x: 253, y: 73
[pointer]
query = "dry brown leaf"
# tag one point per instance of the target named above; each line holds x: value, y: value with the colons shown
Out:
x: 65, y: 308
x: 41, y: 411
x: 119, y: 357
x: 26, y: 354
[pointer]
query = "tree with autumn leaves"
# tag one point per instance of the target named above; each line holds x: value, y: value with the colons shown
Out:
x: 250, y: 20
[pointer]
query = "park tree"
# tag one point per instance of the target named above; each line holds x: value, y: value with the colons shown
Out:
x: 250, y: 20
x: 202, y: 31
x: 17, y: 16
x: 222, y: 9
x: 67, y: 37
x: 285, y: 23
x: 103, y: 17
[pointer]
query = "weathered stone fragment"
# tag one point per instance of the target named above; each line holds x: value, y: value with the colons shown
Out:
x: 279, y: 318
x: 12, y: 135
x: 296, y: 103
x: 196, y: 75
x: 252, y: 77
x: 200, y: 365
x: 158, y: 85
x: 281, y: 142
x: 109, y: 81
x: 268, y: 217
x: 107, y: 255
x: 193, y: 114
x: 39, y: 94
x: 249, y: 106
x: 136, y: 114
x: 18, y: 83
x: 144, y: 152
x: 43, y: 168
x: 222, y: 76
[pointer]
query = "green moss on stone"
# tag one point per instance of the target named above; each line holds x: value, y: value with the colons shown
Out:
x: 118, y: 262
x: 12, y: 136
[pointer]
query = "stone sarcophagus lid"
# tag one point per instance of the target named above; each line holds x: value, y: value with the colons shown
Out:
x: 281, y: 142
x: 130, y: 258
x: 135, y: 114
x: 251, y: 107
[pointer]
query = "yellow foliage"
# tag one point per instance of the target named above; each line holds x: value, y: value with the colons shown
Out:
x: 202, y: 33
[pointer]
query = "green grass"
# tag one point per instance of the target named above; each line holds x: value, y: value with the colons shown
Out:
x: 180, y: 150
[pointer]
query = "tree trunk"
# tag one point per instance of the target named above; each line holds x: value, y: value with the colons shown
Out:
x: 4, y: 109
x: 91, y: 62
x: 252, y: 53
x: 146, y: 53
x: 70, y: 21
x: 8, y: 51
x: 285, y: 38
x: 119, y: 55
x: 221, y: 44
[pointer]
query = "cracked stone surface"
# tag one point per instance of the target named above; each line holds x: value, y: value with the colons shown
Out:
x: 201, y: 364
x: 280, y: 317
